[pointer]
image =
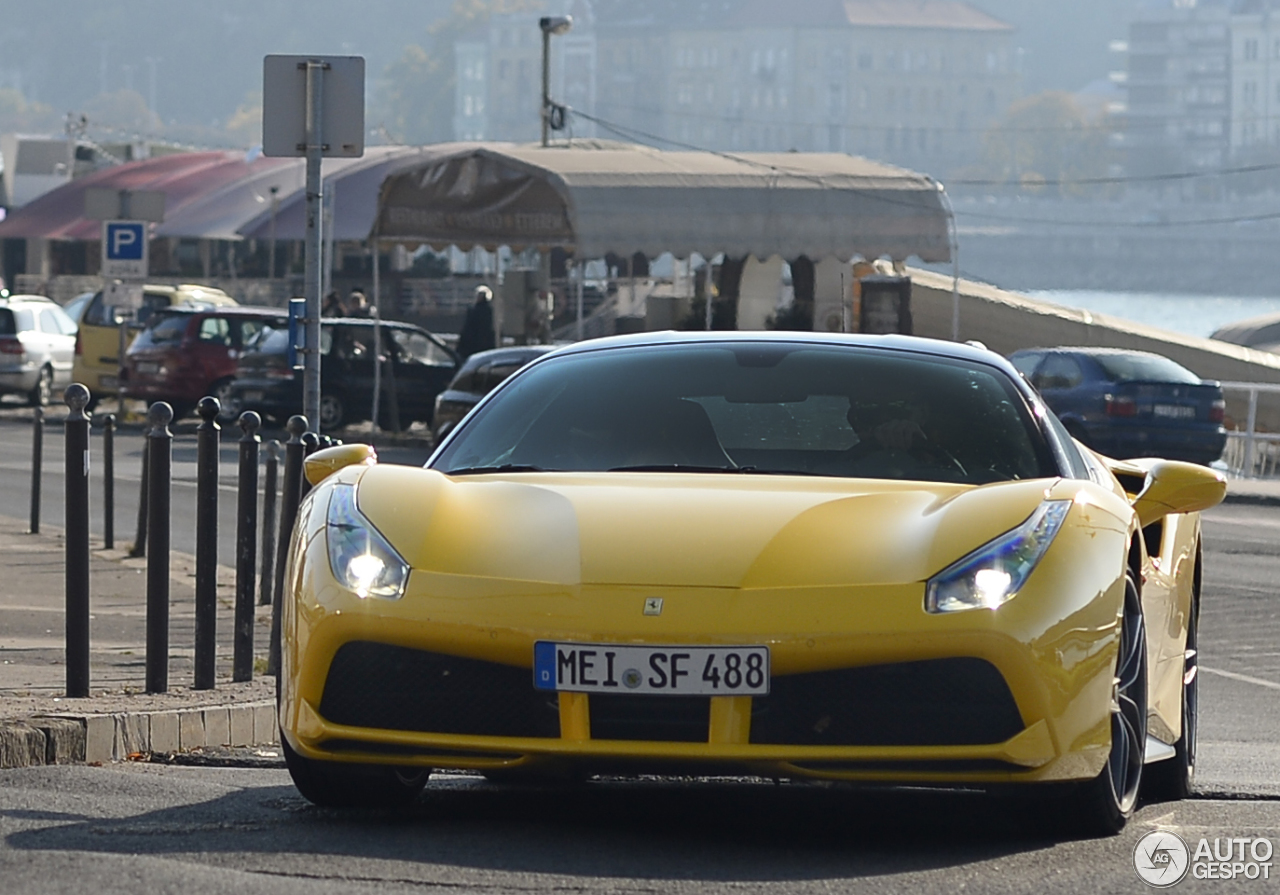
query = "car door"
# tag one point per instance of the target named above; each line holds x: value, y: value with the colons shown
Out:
x: 60, y: 331
x: 347, y: 369
x: 423, y: 368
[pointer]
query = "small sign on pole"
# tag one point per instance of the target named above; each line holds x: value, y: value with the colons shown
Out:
x: 124, y: 249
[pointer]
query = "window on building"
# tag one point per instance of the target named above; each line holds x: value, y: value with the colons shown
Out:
x: 866, y: 61
x: 1251, y: 50
x: 891, y: 100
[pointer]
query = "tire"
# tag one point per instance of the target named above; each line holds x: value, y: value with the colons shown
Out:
x: 227, y: 400
x: 42, y: 393
x: 1171, y: 780
x: 333, y: 412
x: 1102, y: 806
x: 331, y: 784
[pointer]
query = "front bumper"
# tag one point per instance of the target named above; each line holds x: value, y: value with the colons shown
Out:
x: 1052, y: 648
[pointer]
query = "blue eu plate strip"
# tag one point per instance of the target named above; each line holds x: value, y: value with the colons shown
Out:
x: 544, y: 665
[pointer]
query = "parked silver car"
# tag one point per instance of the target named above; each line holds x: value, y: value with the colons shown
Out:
x: 37, y: 345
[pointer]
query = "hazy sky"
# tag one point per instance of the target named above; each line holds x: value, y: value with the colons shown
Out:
x: 207, y: 54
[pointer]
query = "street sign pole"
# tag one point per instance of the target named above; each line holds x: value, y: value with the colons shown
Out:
x: 314, y: 240
x: 313, y: 106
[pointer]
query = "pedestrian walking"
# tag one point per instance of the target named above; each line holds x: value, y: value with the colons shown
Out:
x: 477, y: 329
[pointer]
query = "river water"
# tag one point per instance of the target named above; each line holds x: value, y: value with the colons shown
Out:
x: 1192, y: 315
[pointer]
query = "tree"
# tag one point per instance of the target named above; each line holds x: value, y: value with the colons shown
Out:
x: 1044, y: 143
x: 17, y: 114
x: 415, y: 102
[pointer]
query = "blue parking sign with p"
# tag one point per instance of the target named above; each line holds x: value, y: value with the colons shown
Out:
x: 126, y: 240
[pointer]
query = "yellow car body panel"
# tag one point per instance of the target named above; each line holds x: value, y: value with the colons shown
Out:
x: 97, y: 359
x: 828, y: 573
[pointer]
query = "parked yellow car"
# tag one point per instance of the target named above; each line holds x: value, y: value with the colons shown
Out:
x: 861, y: 558
x: 97, y: 359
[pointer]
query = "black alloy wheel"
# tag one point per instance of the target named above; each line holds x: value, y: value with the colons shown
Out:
x: 333, y: 412
x: 42, y: 393
x: 333, y: 784
x: 1171, y: 779
x: 1103, y: 805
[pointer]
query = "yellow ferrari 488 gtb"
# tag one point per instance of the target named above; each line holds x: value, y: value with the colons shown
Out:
x: 790, y: 555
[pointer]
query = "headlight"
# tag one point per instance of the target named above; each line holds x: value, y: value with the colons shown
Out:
x: 993, y: 574
x: 360, y: 557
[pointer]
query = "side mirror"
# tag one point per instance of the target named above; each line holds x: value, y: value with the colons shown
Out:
x: 1175, y: 487
x: 322, y: 464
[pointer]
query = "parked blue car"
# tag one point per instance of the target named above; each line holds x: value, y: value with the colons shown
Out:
x: 1129, y: 403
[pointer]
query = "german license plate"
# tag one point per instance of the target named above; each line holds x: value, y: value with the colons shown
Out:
x: 655, y: 670
x: 1173, y: 411
x: 148, y: 366
x: 253, y: 396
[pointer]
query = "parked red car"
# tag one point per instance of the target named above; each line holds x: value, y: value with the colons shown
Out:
x: 185, y: 354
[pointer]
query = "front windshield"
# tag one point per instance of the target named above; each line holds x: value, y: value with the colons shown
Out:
x: 757, y: 407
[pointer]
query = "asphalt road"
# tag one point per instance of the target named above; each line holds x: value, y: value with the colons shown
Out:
x: 16, y: 452
x: 150, y: 828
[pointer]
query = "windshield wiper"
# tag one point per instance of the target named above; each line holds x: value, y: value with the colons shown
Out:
x: 482, y: 470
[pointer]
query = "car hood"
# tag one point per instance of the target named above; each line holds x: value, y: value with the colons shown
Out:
x: 686, y: 530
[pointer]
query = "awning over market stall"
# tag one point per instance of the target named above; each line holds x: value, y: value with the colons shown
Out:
x: 595, y: 199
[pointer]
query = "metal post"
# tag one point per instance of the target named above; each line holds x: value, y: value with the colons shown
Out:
x: 582, y: 285
x: 310, y: 444
x: 377, y: 332
x: 1250, y: 445
x: 120, y: 350
x: 707, y: 291
x: 246, y: 545
x: 159, y: 472
x: 271, y: 239
x: 109, y: 482
x: 546, y: 85
x: 37, y: 467
x: 207, y: 438
x: 77, y: 534
x: 266, y: 574
x: 290, y: 498
x: 314, y: 240
x: 139, y: 548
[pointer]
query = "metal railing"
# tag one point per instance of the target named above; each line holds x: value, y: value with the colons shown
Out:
x: 1250, y: 453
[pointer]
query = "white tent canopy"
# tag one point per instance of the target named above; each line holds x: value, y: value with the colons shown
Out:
x: 595, y: 198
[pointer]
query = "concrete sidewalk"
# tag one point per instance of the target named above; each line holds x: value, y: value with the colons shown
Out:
x: 1265, y: 492
x: 38, y: 725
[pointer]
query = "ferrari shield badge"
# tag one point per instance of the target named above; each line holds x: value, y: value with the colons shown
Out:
x: 653, y: 606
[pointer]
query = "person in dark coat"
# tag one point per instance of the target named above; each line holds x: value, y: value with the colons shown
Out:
x: 333, y: 306
x: 477, y: 329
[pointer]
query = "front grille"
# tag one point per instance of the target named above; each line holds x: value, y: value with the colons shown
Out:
x: 671, y: 719
x: 394, y: 688
x: 940, y: 702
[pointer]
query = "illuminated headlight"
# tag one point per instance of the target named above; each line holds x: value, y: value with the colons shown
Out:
x: 360, y: 557
x: 993, y: 574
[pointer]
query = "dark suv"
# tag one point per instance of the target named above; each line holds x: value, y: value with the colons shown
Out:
x: 419, y: 363
x: 184, y: 354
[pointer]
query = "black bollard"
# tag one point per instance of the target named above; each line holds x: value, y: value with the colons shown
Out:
x: 266, y: 574
x: 207, y: 444
x: 291, y: 496
x: 109, y: 482
x: 246, y: 545
x: 37, y: 467
x: 139, y: 547
x: 310, y: 444
x: 159, y: 473
x: 77, y: 534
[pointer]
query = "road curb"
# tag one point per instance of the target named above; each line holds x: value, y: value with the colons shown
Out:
x: 1259, y: 500
x: 101, y: 738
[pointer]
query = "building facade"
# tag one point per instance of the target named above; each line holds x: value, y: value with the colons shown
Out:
x: 914, y: 83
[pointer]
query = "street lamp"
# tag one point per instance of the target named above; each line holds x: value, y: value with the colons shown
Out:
x: 550, y: 25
